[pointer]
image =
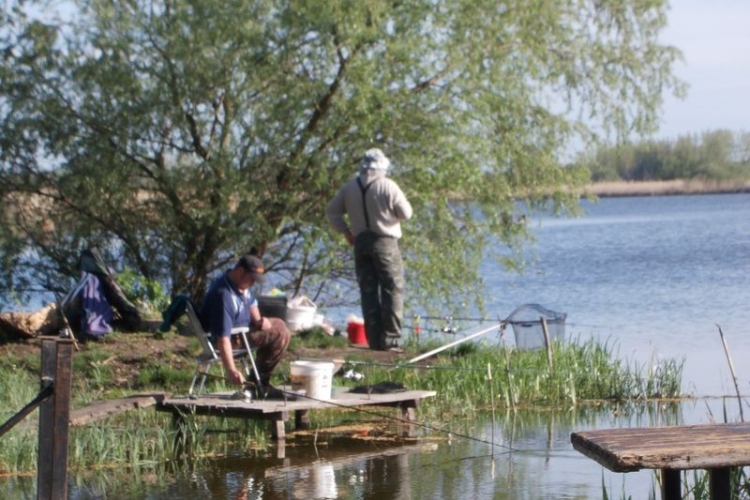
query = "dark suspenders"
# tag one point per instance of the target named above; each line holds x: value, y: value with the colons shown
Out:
x: 364, y: 205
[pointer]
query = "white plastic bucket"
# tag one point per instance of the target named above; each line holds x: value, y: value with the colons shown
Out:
x: 300, y: 318
x: 314, y: 377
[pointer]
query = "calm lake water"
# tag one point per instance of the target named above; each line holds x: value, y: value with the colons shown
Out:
x: 653, y: 276
x: 656, y: 275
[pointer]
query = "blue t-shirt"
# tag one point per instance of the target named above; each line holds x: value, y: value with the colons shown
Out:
x: 224, y: 308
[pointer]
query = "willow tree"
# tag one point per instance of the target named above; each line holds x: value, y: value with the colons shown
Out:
x: 177, y: 134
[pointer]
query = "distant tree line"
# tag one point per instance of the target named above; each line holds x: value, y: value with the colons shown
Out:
x: 711, y: 155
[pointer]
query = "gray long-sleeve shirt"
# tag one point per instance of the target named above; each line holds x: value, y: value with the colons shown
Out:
x: 387, y: 205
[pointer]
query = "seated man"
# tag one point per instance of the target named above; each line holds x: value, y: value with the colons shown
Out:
x: 229, y: 303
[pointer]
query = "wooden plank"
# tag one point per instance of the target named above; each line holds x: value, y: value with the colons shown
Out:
x: 707, y: 446
x: 103, y: 409
x: 222, y: 404
x: 278, y: 411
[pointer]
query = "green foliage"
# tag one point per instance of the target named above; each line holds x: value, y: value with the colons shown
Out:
x: 178, y: 135
x: 94, y: 372
x: 717, y: 155
x: 317, y: 337
x: 163, y: 376
x: 23, y: 364
x: 148, y: 295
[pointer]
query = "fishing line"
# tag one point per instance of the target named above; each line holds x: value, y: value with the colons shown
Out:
x: 588, y: 325
x: 249, y: 384
x: 445, y: 329
x: 452, y: 318
x: 381, y: 415
x: 401, y: 420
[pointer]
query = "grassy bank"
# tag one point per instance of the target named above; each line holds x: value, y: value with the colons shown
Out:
x: 470, y: 379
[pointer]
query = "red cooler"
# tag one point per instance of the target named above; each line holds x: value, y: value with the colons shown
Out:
x: 356, y: 333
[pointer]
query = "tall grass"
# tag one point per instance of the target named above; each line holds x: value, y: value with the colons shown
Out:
x: 17, y: 387
x: 521, y: 380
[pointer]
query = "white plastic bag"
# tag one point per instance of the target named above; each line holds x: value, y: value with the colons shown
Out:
x: 301, y: 302
x: 300, y: 313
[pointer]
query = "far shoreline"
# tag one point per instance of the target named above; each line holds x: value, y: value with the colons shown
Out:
x: 663, y: 188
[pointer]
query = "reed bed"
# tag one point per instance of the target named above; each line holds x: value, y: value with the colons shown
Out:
x: 521, y: 380
x: 581, y: 371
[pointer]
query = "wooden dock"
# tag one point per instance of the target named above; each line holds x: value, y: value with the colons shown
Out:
x: 278, y: 411
x: 714, y: 447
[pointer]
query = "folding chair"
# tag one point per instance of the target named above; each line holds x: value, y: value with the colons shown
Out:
x: 209, y: 355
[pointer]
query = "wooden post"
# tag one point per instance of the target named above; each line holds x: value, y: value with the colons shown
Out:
x: 54, y: 420
x: 492, y: 403
x: 278, y: 431
x: 719, y: 484
x: 408, y: 415
x: 547, y: 344
x: 301, y: 419
x: 670, y: 484
x: 734, y: 375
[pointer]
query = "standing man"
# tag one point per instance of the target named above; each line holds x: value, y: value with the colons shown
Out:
x: 375, y: 206
x: 229, y: 303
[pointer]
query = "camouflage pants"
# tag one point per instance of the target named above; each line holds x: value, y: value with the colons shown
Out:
x: 380, y: 274
x: 270, y: 347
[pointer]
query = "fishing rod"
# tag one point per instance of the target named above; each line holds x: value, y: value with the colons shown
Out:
x: 475, y: 333
x: 67, y: 331
x: 411, y: 365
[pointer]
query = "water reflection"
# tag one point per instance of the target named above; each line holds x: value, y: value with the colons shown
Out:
x: 522, y: 455
x: 348, y: 469
x: 375, y: 473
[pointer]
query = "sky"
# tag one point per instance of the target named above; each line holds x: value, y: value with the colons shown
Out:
x: 714, y: 36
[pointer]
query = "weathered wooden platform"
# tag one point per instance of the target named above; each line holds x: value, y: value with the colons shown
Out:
x: 278, y: 411
x: 714, y: 447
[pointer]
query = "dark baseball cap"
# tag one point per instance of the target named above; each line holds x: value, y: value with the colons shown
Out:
x: 254, y: 266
